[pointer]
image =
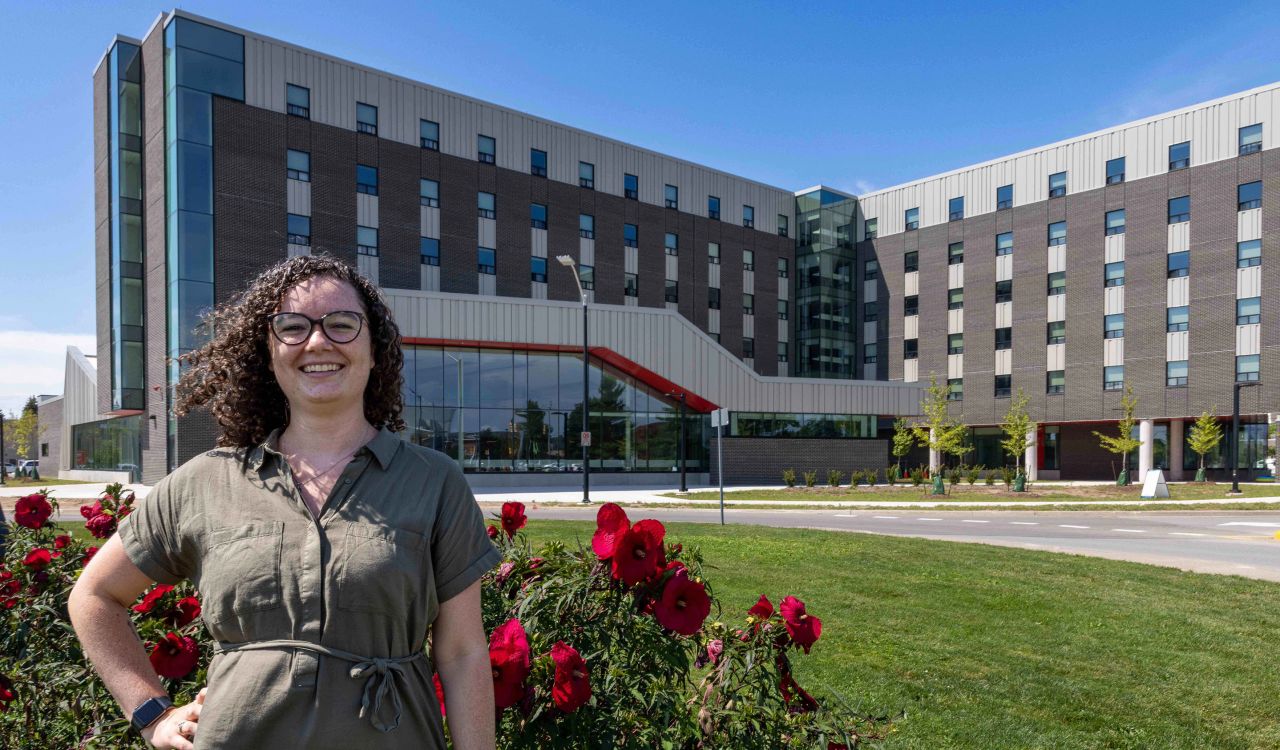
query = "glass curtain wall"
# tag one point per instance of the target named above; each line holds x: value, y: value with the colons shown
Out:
x: 1252, y: 451
x: 124, y: 103
x: 497, y: 410
x: 826, y: 341
x: 110, y: 444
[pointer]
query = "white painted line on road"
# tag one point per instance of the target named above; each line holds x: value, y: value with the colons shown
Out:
x: 884, y: 517
x: 1184, y: 533
x: 1132, y: 531
x: 1024, y: 523
x: 968, y: 520
x: 1252, y: 523
x: 928, y: 519
x: 1069, y: 526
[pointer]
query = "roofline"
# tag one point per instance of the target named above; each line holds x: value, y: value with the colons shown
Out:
x: 820, y: 186
x: 106, y: 54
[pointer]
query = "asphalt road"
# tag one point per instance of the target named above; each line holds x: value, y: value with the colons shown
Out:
x: 1237, y: 543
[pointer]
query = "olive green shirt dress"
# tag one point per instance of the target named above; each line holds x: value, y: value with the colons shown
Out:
x: 320, y: 623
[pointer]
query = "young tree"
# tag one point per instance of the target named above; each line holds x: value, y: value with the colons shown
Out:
x: 1123, y: 443
x: 904, y: 439
x: 938, y: 430
x: 1017, y: 423
x: 1204, y: 436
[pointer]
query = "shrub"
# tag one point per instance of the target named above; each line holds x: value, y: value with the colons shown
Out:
x: 891, y: 476
x: 789, y: 477
x: 917, y: 476
x: 953, y: 475
x: 835, y: 477
x: 810, y: 478
x: 991, y: 478
x: 1007, y: 475
x: 872, y: 476
x: 972, y: 474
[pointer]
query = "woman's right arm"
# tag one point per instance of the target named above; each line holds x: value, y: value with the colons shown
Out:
x: 99, y: 608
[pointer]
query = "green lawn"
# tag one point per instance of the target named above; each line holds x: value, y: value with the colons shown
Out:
x: 962, y: 493
x: 12, y: 481
x: 988, y: 647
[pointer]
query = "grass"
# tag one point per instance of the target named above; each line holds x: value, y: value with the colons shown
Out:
x: 12, y: 481
x: 963, y: 493
x: 989, y: 648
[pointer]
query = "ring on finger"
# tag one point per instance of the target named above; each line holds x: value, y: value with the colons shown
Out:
x: 182, y: 728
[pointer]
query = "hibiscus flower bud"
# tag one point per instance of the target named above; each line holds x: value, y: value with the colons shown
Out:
x: 492, y: 531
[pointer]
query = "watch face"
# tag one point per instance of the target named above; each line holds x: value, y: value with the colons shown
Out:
x: 148, y: 712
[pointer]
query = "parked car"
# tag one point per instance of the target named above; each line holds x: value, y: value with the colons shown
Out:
x: 28, y: 464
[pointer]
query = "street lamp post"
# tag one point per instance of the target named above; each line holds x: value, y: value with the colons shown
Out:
x: 684, y: 485
x: 568, y: 261
x: 1235, y: 435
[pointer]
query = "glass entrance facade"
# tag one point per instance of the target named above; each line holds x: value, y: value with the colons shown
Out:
x: 826, y: 342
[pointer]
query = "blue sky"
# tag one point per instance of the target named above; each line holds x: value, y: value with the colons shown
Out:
x: 854, y: 95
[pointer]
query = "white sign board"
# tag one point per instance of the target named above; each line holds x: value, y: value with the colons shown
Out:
x: 720, y: 418
x: 1154, y: 485
x: 586, y: 439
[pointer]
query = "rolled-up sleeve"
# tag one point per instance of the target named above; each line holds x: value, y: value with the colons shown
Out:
x: 152, y: 535
x: 460, y: 548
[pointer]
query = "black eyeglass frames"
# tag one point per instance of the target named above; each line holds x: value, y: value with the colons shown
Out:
x: 339, y: 326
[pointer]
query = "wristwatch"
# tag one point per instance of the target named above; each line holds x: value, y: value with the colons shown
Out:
x: 149, y: 712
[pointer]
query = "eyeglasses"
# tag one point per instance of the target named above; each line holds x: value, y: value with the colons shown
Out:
x: 339, y: 326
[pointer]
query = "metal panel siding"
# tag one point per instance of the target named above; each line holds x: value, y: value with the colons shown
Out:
x: 955, y: 366
x: 1248, y: 339
x: 1004, y: 314
x: 955, y: 321
x: 1175, y: 346
x: 538, y: 243
x: 1249, y: 225
x: 298, y: 197
x: 1056, y: 258
x: 1179, y: 236
x: 1178, y: 292
x: 1055, y: 357
x: 1004, y: 362
x: 911, y: 327
x: 429, y: 218
x: 367, y: 210
x: 1113, y: 352
x: 911, y: 283
x: 911, y: 371
x: 1113, y: 300
x: 1248, y: 282
x: 487, y: 232
x: 955, y: 276
x: 1004, y: 267
x: 1113, y: 248
x: 748, y: 282
x: 1056, y: 308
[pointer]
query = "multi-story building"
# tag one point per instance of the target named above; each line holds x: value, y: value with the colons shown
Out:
x: 809, y: 315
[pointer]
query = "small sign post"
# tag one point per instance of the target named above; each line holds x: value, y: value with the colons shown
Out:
x: 1153, y: 486
x: 586, y: 439
x: 719, y: 420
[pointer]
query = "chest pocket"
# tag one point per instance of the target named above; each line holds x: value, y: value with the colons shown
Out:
x: 241, y: 571
x: 379, y: 569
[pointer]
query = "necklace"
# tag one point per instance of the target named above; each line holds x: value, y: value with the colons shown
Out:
x: 291, y: 458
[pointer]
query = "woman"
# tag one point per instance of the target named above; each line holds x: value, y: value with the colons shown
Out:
x: 323, y: 546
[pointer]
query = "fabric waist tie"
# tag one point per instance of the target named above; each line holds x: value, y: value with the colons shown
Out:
x: 381, y: 673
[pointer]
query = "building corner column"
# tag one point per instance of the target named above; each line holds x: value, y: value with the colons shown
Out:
x: 1145, y: 429
x: 1175, y: 449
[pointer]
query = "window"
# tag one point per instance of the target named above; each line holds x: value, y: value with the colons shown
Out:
x: 910, y: 305
x: 537, y: 163
x: 910, y: 348
x: 367, y: 241
x: 630, y: 235
x: 1055, y: 381
x: 1004, y: 243
x: 1177, y: 318
x: 429, y: 193
x: 713, y: 253
x: 955, y: 389
x: 587, y: 276
x: 672, y: 291
x: 782, y: 351
x: 1180, y: 155
x: 911, y: 261
x: 366, y: 118
x: 912, y: 218
x: 1056, y: 332
x: 44, y: 450
x: 870, y: 354
x: 1058, y: 233
x: 871, y: 270
x: 1246, y: 368
x: 486, y: 205
x: 1248, y: 310
x: 587, y: 226
x: 955, y: 343
x: 955, y: 209
x: 1113, y: 326
x: 1180, y: 209
x: 1250, y: 139
x: 1113, y: 378
x: 630, y: 187
x: 671, y: 193
x: 955, y: 299
x: 748, y: 216
x: 748, y: 304
x: 1004, y: 339
x: 1057, y: 283
x: 748, y: 348
x: 1004, y: 197
x: 784, y: 309
x: 1179, y: 264
x: 429, y: 250
x: 586, y: 175
x: 672, y: 243
x: 1115, y: 222
x: 297, y: 100
x: 955, y: 253
x: 1115, y: 171
x: 1248, y: 253
x: 538, y: 269
x: 1004, y: 386
x: 299, y: 228
x: 713, y: 298
x: 631, y: 285
x: 1004, y: 291
x: 366, y: 179
x: 1175, y: 374
x: 487, y: 260
x: 870, y: 228
x: 783, y: 268
x: 713, y: 207
x: 298, y: 164
x: 429, y: 135
x: 1057, y: 184
x: 486, y: 149
x: 782, y: 225
x: 748, y: 260
x: 537, y: 216
x: 870, y: 312
x: 1113, y: 274
x: 1249, y: 195
x: 1051, y: 448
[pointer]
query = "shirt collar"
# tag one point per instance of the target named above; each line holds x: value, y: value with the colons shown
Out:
x: 383, y: 446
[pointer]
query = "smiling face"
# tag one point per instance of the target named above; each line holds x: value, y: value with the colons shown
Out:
x: 317, y: 374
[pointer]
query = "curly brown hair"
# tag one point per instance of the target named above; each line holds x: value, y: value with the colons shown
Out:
x: 231, y: 375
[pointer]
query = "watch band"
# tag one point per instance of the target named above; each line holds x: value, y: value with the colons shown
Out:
x: 149, y: 712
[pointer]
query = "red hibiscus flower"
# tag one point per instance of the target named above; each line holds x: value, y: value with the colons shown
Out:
x: 102, y: 525
x: 492, y: 531
x: 571, y: 688
x: 89, y: 511
x: 61, y: 542
x: 513, y: 518
x: 762, y: 609
x: 435, y: 679
x: 175, y: 656
x: 639, y: 554
x: 6, y: 693
x: 149, y: 600
x: 184, y: 612
x: 803, y: 628
x: 611, y: 524
x: 89, y: 552
x: 509, y: 661
x: 38, y: 559
x: 684, y: 604
x: 798, y: 701
x: 32, y: 511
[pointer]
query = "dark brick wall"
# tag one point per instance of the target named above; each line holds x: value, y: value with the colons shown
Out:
x: 102, y: 231
x: 762, y: 460
x: 399, y: 222
x: 155, y: 449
